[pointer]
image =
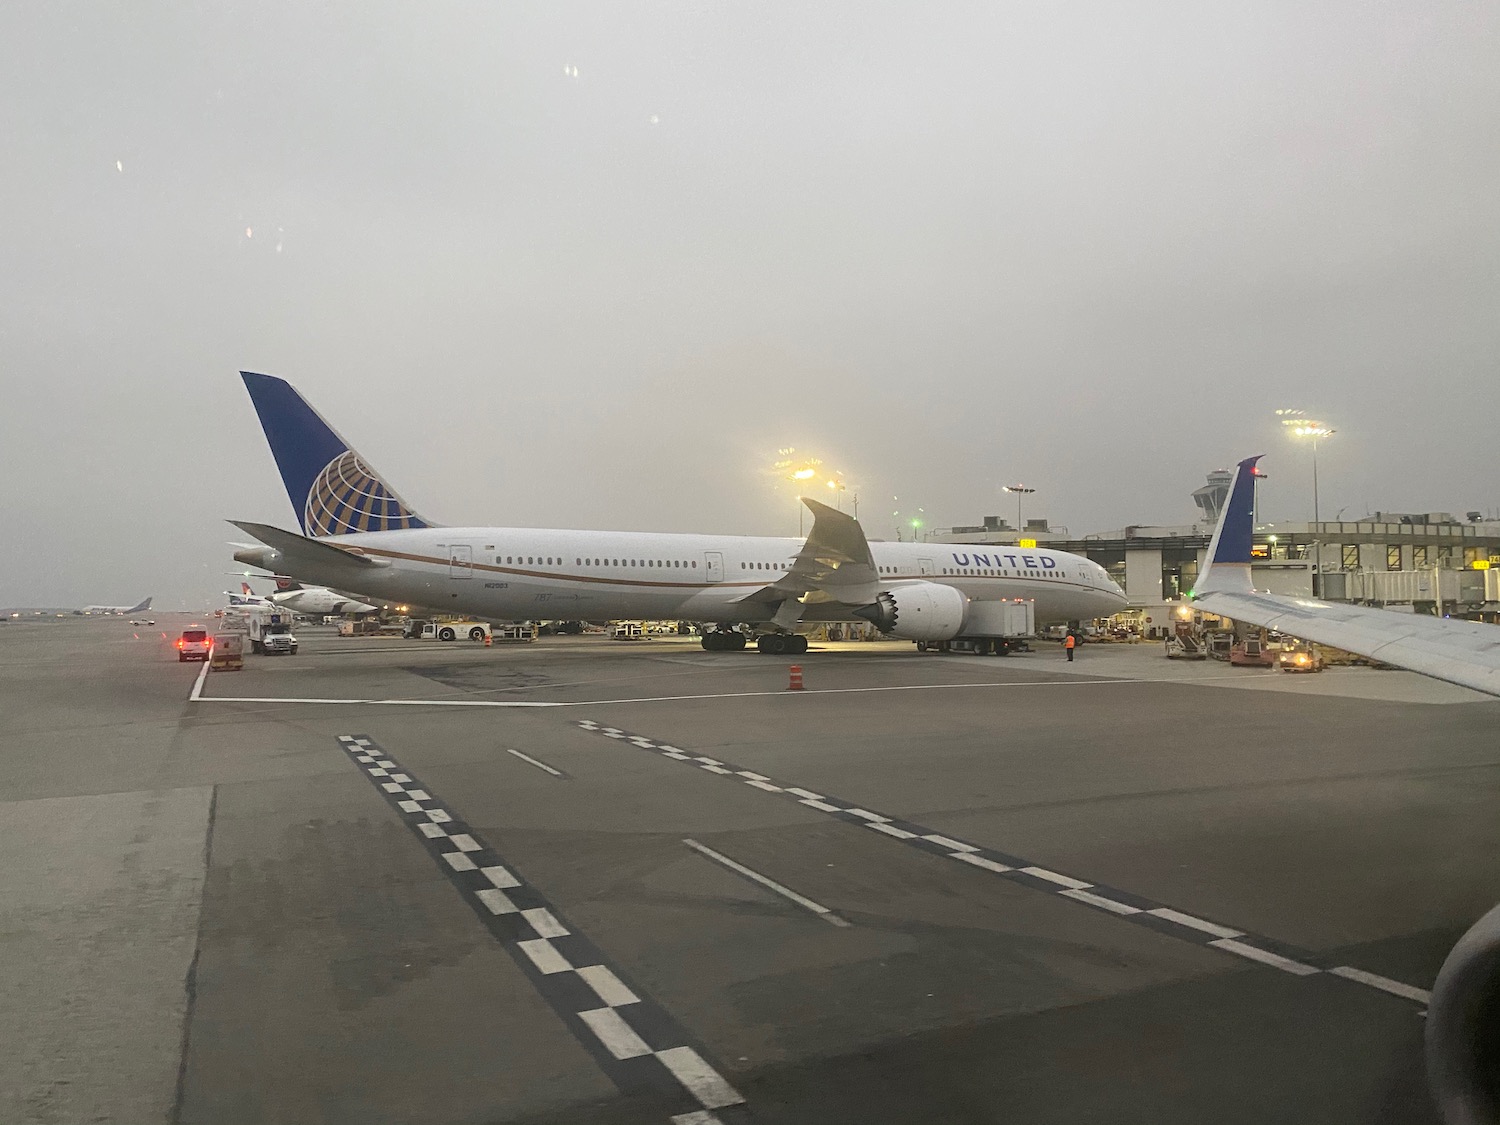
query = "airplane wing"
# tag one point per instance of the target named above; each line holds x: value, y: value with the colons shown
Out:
x: 834, y: 565
x: 1466, y: 653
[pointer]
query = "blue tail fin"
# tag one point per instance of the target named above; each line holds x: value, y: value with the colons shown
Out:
x: 1228, y: 566
x: 332, y: 489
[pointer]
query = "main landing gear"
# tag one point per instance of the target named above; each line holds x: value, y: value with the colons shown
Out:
x: 724, y: 640
x: 781, y: 644
x: 773, y: 644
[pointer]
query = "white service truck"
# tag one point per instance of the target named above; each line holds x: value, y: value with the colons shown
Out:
x: 270, y: 630
x: 991, y: 629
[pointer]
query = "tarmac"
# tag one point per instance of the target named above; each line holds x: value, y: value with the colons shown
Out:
x: 593, y: 881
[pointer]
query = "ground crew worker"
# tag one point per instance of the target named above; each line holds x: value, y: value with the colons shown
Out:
x: 1069, y: 642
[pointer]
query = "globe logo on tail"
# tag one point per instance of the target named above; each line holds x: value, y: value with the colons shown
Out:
x: 348, y: 497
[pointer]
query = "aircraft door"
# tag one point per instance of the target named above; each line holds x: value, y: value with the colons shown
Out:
x: 461, y: 561
x: 714, y: 562
x: 924, y: 566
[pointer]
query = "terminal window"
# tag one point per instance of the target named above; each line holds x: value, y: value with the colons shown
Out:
x: 1393, y: 557
x: 1351, y: 556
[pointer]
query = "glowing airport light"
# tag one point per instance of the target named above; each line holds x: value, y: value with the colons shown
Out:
x: 1020, y: 491
x: 1299, y: 425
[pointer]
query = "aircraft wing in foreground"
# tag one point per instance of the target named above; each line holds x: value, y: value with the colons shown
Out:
x: 1461, y: 652
x: 1463, y: 1020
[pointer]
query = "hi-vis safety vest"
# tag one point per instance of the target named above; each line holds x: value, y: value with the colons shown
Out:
x: 1070, y: 642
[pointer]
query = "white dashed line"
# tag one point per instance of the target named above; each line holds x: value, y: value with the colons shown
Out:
x: 527, y: 758
x: 770, y: 884
x: 703, y: 1080
x: 1100, y: 901
x: 496, y: 902
x: 981, y: 861
x: 616, y: 1035
x: 608, y: 987
x: 544, y: 955
x: 1053, y: 877
x: 1265, y: 957
x: 500, y: 876
x: 544, y: 923
x: 1385, y: 984
x: 1192, y: 923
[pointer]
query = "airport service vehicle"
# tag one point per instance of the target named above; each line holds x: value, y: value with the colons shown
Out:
x: 1300, y: 658
x: 627, y: 631
x: 193, y: 644
x: 357, y: 534
x: 143, y: 621
x: 228, y: 652
x: 1252, y: 652
x: 1011, y: 624
x: 270, y: 631
x: 451, y: 630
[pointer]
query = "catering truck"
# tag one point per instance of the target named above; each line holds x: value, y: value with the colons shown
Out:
x: 270, y: 630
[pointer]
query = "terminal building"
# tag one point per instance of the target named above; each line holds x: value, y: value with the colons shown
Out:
x: 1416, y: 562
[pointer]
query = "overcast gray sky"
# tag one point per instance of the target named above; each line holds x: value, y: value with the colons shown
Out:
x: 1087, y: 246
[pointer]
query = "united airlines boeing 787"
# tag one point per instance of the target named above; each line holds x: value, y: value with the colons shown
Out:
x: 359, y: 535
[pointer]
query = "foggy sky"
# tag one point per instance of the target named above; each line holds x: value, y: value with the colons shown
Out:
x: 1088, y: 246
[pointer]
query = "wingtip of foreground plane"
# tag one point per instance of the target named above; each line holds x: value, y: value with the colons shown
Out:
x: 1227, y: 568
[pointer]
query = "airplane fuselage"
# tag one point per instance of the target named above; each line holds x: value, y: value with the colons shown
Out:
x: 533, y: 574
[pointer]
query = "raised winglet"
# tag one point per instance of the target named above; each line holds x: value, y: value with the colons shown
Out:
x: 332, y: 489
x: 1227, y: 570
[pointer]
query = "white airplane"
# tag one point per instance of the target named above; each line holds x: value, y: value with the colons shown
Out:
x: 120, y: 610
x: 1460, y: 652
x: 1463, y: 1017
x: 358, y: 534
x: 312, y: 600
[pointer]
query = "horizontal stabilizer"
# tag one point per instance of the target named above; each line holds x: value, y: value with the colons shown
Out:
x: 302, y: 550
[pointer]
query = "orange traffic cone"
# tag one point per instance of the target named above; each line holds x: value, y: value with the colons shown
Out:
x: 795, y: 681
x: 489, y: 640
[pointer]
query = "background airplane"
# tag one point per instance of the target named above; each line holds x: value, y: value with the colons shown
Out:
x: 139, y: 607
x: 314, y: 601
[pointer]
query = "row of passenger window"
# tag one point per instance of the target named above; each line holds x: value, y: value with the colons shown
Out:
x: 1005, y: 573
x: 549, y: 560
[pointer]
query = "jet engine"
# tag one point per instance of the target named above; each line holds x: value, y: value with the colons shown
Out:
x: 1463, y: 1028
x: 918, y: 611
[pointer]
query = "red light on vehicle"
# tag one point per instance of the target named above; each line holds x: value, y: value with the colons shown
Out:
x: 179, y: 642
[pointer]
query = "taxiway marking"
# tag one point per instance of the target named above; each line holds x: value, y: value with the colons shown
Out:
x: 1128, y: 907
x: 543, y: 766
x: 632, y: 1038
x: 770, y: 884
x: 196, y: 695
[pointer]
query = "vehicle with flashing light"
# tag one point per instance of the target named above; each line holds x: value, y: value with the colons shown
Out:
x: 1300, y: 658
x: 193, y: 644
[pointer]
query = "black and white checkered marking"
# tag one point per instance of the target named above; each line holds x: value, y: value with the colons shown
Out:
x: 1130, y: 907
x: 634, y: 1040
